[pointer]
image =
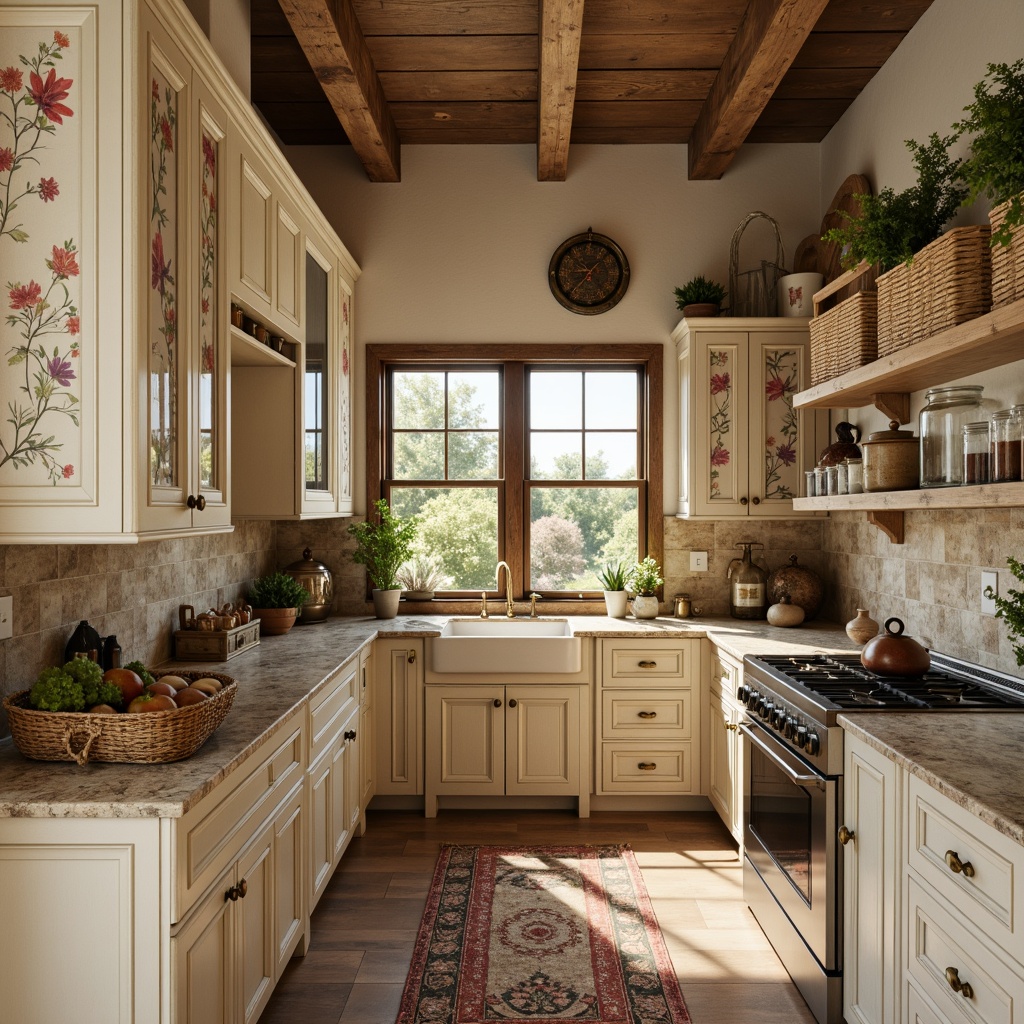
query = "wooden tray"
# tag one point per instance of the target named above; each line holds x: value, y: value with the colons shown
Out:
x: 216, y: 644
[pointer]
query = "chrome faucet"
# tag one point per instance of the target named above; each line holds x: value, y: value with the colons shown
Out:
x: 510, y: 608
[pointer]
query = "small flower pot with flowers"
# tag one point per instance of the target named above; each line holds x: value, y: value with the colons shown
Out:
x: 644, y: 580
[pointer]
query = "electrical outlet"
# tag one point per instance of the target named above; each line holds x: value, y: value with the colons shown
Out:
x: 988, y: 604
x: 6, y: 618
x: 698, y: 561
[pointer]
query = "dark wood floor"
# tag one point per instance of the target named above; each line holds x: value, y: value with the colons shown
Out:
x: 365, y: 925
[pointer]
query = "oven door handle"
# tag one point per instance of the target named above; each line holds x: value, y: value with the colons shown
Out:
x: 800, y: 778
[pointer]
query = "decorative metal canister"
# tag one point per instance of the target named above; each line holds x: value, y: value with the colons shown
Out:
x: 317, y: 579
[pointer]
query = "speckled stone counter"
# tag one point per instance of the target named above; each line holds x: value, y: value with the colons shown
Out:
x: 974, y: 759
x: 274, y: 682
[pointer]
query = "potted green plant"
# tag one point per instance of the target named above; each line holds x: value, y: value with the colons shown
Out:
x: 276, y: 600
x: 421, y: 575
x: 612, y: 578
x: 644, y: 580
x: 1011, y: 609
x: 383, y: 543
x: 700, y: 297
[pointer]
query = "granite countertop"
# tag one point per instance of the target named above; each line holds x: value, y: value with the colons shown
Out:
x: 974, y: 759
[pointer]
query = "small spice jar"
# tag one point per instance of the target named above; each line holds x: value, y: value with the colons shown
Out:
x: 855, y: 476
x: 976, y: 452
x: 831, y: 479
x: 1004, y: 447
x: 819, y: 481
x: 811, y: 488
x: 843, y: 478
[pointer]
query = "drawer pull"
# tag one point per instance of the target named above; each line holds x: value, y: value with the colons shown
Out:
x: 846, y: 835
x: 349, y: 734
x: 237, y: 892
x: 647, y: 714
x: 647, y: 766
x: 647, y: 664
x: 963, y: 987
x: 958, y: 866
x: 411, y: 659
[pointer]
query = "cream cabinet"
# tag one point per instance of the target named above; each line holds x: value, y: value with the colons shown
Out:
x: 648, y: 717
x: 743, y: 446
x: 723, y: 743
x: 528, y: 739
x: 367, y: 739
x: 398, y: 714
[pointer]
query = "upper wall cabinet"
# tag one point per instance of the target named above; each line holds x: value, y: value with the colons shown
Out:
x: 743, y: 446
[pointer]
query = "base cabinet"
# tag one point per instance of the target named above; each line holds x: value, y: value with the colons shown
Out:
x: 724, y: 747
x: 492, y: 740
x: 398, y: 704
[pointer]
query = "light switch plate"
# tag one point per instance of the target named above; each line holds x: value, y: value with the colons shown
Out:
x: 698, y: 561
x: 6, y: 617
x: 989, y: 579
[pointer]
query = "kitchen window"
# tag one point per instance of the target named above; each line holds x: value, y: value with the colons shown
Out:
x: 546, y: 457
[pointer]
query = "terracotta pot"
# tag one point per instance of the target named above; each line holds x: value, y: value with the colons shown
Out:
x: 695, y: 309
x: 893, y: 654
x: 275, y: 621
x: 863, y: 628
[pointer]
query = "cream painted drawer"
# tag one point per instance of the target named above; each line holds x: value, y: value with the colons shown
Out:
x: 651, y: 664
x: 725, y: 674
x: 647, y: 768
x: 637, y: 714
x: 937, y: 944
x: 331, y: 706
x: 209, y: 837
x: 992, y: 895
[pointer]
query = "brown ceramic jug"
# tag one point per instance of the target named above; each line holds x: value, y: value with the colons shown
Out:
x: 844, y: 447
x: 893, y: 654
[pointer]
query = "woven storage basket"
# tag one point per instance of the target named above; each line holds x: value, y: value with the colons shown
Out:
x: 948, y: 283
x: 844, y: 337
x: 154, y: 737
x: 1007, y: 262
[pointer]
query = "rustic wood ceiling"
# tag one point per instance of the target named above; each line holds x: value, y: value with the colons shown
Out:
x: 380, y: 74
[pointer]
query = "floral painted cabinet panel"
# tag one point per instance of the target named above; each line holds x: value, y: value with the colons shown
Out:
x: 743, y: 447
x: 60, y: 378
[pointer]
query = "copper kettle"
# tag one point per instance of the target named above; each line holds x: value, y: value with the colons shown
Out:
x: 893, y: 654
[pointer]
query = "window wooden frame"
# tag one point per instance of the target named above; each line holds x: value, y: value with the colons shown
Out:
x: 515, y: 358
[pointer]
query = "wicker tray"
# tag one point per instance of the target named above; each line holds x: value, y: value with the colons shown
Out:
x: 844, y: 337
x: 948, y: 283
x: 1007, y: 263
x: 152, y: 738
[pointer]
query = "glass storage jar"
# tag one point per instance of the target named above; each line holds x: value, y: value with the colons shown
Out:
x: 1004, y: 447
x: 941, y: 427
x: 976, y: 452
x: 855, y: 475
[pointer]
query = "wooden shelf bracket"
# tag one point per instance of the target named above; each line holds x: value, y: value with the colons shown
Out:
x: 890, y: 523
x: 894, y: 404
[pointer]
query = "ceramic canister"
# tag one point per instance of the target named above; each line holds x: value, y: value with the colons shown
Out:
x: 796, y: 293
x: 891, y: 459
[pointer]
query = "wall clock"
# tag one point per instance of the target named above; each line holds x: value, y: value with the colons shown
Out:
x: 588, y: 273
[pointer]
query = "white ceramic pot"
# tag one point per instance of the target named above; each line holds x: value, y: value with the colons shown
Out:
x: 645, y: 607
x: 385, y: 603
x: 796, y: 294
x: 615, y: 603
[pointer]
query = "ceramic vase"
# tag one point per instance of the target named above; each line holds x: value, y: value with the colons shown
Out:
x: 645, y: 607
x: 615, y: 603
x: 385, y: 603
x: 861, y: 629
x: 275, y: 621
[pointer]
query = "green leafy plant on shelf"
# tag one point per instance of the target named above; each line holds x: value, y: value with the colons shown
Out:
x: 995, y: 165
x: 1011, y: 609
x: 892, y: 226
x: 645, y: 578
x: 277, y: 590
x: 383, y: 543
x: 699, y: 290
x: 612, y: 576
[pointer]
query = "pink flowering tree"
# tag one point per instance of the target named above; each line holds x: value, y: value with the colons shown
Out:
x: 44, y: 316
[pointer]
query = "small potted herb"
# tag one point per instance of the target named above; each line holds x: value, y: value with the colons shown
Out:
x: 612, y: 578
x: 421, y: 575
x: 276, y: 600
x: 700, y: 297
x: 1011, y: 609
x: 383, y: 543
x: 644, y: 580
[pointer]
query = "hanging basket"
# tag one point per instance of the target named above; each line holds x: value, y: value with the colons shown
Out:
x: 753, y: 292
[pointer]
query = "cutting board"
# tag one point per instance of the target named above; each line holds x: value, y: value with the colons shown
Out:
x: 813, y: 256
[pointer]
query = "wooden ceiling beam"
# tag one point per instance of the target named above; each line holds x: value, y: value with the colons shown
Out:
x: 766, y: 44
x: 330, y: 36
x: 561, y: 25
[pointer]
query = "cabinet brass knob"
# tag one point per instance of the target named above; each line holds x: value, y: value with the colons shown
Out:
x: 963, y: 987
x: 647, y: 766
x: 243, y: 888
x: 513, y: 703
x: 755, y: 501
x: 198, y: 503
x: 411, y: 658
x: 743, y: 501
x: 350, y: 734
x: 647, y: 714
x: 231, y: 894
x: 497, y: 703
x: 731, y: 727
x: 958, y: 866
x: 846, y: 835
x: 647, y: 664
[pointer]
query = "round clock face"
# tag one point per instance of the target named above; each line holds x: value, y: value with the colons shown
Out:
x: 588, y: 273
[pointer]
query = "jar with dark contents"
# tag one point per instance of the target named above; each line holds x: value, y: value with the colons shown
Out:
x: 1004, y: 447
x: 976, y: 453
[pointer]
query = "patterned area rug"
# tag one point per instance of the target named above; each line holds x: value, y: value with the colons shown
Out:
x: 556, y: 934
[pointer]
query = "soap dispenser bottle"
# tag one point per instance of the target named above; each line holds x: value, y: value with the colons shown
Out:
x: 748, y: 585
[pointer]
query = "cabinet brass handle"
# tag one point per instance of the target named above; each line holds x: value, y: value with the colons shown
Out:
x: 647, y: 766
x: 963, y: 987
x: 513, y: 703
x: 350, y: 734
x: 647, y: 664
x: 243, y: 888
x: 958, y: 866
x: 647, y: 714
x: 497, y: 702
x: 237, y: 892
x: 411, y: 658
x: 231, y: 894
x: 730, y: 727
x: 198, y: 503
x: 846, y: 835
x: 743, y: 501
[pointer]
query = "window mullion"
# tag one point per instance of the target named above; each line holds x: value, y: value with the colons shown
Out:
x: 512, y: 539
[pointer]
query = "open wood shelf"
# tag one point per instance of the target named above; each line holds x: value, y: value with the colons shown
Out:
x: 247, y: 351
x: 988, y: 341
x: 982, y: 496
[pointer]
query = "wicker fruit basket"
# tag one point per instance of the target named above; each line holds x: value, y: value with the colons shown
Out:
x: 155, y: 737
x: 1007, y: 262
x: 948, y: 283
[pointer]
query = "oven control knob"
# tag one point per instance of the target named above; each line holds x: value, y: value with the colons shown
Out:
x: 742, y: 693
x: 801, y: 735
x: 765, y: 709
x: 752, y: 698
x: 779, y: 718
x: 790, y: 727
x: 813, y: 744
